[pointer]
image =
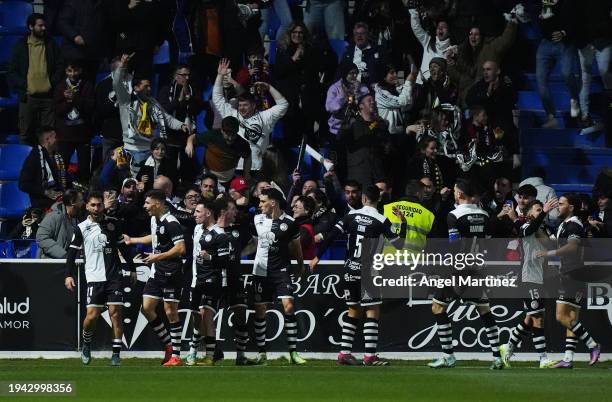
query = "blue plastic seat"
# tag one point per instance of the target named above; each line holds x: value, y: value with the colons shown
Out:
x: 14, y: 15
x: 163, y: 56
x: 12, y: 157
x: 199, y: 155
x: 7, y: 43
x: 13, y: 202
x: 339, y: 47
x: 10, y: 101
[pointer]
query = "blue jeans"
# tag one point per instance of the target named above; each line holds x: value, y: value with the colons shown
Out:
x: 282, y: 11
x: 326, y: 13
x: 587, y: 54
x: 548, y: 54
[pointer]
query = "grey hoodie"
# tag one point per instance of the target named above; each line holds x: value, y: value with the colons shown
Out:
x: 54, y: 233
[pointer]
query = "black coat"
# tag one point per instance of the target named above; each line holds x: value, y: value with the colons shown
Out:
x: 374, y: 58
x: 139, y: 29
x: 32, y: 180
x: 299, y: 79
x: 106, y: 115
x: 87, y: 18
x: 20, y: 63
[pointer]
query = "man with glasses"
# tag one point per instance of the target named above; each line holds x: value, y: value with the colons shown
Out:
x: 224, y: 148
x: 369, y: 58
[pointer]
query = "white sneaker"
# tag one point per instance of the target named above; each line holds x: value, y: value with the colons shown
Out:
x: 545, y: 362
x: 552, y: 122
x: 574, y: 108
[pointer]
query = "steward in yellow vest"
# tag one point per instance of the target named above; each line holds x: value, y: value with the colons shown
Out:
x: 418, y: 218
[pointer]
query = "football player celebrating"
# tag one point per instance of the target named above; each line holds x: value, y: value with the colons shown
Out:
x: 100, y: 237
x: 365, y: 228
x: 278, y: 238
x: 571, y: 291
x: 165, y: 280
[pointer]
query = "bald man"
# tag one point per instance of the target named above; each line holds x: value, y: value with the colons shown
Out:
x: 497, y: 95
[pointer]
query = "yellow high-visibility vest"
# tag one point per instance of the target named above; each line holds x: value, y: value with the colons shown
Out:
x: 419, y: 221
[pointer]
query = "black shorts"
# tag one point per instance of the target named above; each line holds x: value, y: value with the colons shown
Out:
x: 207, y: 294
x: 166, y: 287
x: 277, y: 284
x: 104, y: 293
x: 235, y: 294
x: 533, y: 302
x: 444, y: 296
x: 354, y: 295
x: 570, y: 291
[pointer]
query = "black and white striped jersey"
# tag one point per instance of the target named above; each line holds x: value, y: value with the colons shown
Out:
x: 166, y: 233
x: 366, y: 229
x: 571, y: 230
x: 100, y: 242
x: 466, y: 224
x: 273, y: 238
x: 223, y: 245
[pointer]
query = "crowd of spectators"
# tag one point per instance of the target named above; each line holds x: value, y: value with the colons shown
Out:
x: 423, y: 93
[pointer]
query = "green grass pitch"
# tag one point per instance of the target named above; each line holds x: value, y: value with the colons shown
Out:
x: 319, y: 380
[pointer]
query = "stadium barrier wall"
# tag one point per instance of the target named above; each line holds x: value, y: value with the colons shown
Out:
x: 37, y: 314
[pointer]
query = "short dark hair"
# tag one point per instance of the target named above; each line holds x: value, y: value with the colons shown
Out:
x: 413, y: 188
x: 32, y: 18
x: 353, y: 183
x: 181, y: 66
x: 534, y: 202
x: 372, y: 193
x: 527, y: 190
x: 275, y: 195
x: 466, y: 187
x: 230, y: 123
x: 74, y: 63
x: 158, y: 141
x: 383, y: 180
x: 218, y: 205
x: 42, y: 131
x: 157, y: 195
x: 98, y: 195
x: 308, y: 203
x: 319, y: 196
x: 70, y: 197
x: 138, y: 80
x: 212, y: 177
x: 574, y: 200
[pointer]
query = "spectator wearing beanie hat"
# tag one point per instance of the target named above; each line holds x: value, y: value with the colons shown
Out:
x: 437, y: 90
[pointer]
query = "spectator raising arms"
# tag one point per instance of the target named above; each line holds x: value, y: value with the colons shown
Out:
x: 140, y: 114
x: 255, y: 126
x: 438, y: 45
